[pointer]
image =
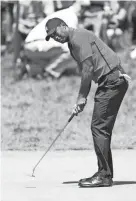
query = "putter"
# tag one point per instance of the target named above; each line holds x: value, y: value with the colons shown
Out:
x: 71, y: 117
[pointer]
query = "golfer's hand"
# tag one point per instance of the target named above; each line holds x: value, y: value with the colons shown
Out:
x: 79, y: 106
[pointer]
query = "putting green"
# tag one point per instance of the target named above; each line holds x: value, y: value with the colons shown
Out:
x: 57, y: 174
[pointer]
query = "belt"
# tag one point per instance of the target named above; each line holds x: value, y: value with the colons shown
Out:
x: 101, y: 80
x: 121, y: 74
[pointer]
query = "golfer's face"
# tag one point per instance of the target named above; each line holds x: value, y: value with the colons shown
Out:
x: 59, y: 35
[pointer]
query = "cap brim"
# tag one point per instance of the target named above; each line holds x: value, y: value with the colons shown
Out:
x: 47, y: 38
x: 49, y: 34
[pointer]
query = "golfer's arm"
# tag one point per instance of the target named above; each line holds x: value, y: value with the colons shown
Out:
x: 86, y: 79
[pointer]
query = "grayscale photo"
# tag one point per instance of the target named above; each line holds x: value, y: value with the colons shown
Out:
x: 68, y: 100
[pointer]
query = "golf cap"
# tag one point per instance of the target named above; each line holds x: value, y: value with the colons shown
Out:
x: 51, y: 26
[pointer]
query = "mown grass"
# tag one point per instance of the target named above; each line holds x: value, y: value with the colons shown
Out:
x: 34, y: 111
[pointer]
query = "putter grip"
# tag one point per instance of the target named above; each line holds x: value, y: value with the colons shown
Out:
x: 71, y: 117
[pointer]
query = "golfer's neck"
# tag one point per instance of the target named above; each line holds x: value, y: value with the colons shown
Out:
x: 70, y: 33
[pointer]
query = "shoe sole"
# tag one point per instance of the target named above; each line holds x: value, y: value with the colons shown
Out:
x: 93, y: 186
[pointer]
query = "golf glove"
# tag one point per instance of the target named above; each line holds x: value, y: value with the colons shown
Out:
x: 79, y: 106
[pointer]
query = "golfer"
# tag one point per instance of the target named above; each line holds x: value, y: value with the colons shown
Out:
x: 99, y: 63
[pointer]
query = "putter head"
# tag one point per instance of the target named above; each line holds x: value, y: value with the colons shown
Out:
x: 30, y: 175
x: 33, y: 175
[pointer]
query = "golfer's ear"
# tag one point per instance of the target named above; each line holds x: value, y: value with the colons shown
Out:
x: 58, y: 27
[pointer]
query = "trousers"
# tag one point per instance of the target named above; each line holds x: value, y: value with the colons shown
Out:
x: 108, y: 98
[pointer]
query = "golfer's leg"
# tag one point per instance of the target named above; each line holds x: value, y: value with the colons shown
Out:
x: 105, y: 111
x: 115, y: 101
x: 101, y: 138
x: 110, y: 162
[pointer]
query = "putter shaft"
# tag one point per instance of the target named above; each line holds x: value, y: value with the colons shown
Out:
x: 71, y: 117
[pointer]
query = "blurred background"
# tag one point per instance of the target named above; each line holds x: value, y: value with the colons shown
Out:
x: 40, y: 80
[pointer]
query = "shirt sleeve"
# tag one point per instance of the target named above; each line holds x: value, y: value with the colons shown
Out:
x: 83, y: 49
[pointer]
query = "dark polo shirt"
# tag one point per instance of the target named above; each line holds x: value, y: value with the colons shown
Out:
x: 84, y: 45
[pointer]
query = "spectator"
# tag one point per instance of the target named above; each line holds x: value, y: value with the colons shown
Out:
x: 60, y: 5
x: 53, y: 57
x: 134, y: 24
x: 7, y: 19
x: 133, y: 52
x: 3, y: 10
x: 121, y: 16
x: 30, y: 13
x: 91, y: 15
x: 115, y: 23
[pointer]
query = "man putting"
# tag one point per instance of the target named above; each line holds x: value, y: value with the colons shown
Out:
x: 99, y: 63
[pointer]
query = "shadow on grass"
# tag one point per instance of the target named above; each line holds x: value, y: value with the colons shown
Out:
x: 116, y: 183
x: 70, y: 182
